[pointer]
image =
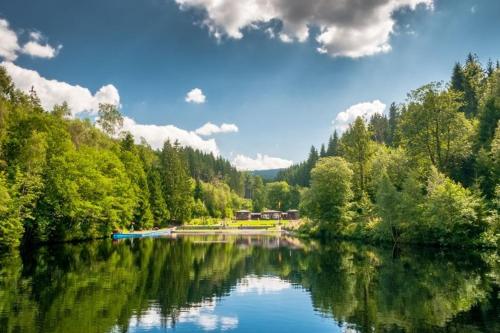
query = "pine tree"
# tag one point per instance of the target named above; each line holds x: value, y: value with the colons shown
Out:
x: 333, y: 145
x: 489, y: 68
x: 176, y: 183
x: 473, y: 84
x: 311, y: 162
x: 458, y: 78
x: 322, y: 152
x: 379, y: 128
x: 393, y: 124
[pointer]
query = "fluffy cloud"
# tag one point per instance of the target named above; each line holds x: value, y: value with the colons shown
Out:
x: 195, y: 96
x: 347, y: 28
x: 80, y: 99
x: 10, y: 48
x: 8, y: 42
x: 261, y: 162
x: 209, y: 129
x: 261, y: 285
x: 35, y: 49
x: 52, y: 92
x: 202, y: 315
x: 365, y: 110
x: 156, y: 135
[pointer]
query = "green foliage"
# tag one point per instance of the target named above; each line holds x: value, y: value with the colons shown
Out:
x: 110, y: 118
x: 10, y: 225
x: 388, y: 204
x: 258, y: 194
x: 278, y: 195
x: 220, y: 201
x: 68, y: 179
x: 489, y: 112
x: 429, y: 173
x: 357, y: 148
x: 330, y: 193
x: 432, y: 128
x: 177, y: 185
x: 452, y: 214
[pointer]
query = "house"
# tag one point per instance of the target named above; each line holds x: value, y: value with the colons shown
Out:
x: 293, y: 214
x: 242, y: 215
x: 271, y: 215
x: 255, y: 216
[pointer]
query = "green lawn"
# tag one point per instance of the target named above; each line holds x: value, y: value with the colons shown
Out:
x: 255, y: 223
x: 235, y: 223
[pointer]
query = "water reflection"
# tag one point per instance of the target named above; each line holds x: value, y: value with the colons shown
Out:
x: 228, y: 283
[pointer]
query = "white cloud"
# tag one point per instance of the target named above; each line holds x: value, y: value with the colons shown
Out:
x: 209, y: 129
x: 35, y: 49
x: 80, y: 99
x: 201, y: 314
x: 473, y: 9
x: 347, y: 28
x: 261, y: 285
x: 261, y: 162
x: 52, y: 92
x: 195, y: 96
x: 365, y: 110
x: 156, y: 135
x: 228, y: 323
x: 8, y: 42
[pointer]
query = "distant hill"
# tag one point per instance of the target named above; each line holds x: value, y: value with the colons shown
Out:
x: 266, y: 174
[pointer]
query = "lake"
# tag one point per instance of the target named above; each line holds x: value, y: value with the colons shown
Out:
x: 247, y: 284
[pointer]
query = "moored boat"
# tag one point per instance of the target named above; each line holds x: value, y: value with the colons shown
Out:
x: 140, y: 234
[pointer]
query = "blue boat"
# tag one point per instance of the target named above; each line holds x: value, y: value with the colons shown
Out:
x: 151, y: 233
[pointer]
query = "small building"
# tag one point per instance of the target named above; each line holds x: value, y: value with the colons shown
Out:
x: 293, y: 214
x: 242, y: 215
x: 255, y: 216
x: 271, y: 215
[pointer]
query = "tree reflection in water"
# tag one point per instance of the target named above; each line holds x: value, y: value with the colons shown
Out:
x: 107, y: 286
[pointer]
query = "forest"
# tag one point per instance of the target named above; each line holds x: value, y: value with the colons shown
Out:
x: 426, y: 173
x: 67, y: 179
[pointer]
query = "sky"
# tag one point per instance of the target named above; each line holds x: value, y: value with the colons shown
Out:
x: 256, y: 81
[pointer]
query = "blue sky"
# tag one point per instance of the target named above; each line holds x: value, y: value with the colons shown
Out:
x: 254, y: 66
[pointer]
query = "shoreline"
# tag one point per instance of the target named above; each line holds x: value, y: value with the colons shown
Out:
x: 235, y: 231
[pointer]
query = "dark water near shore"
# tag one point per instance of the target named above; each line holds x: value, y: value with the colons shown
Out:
x: 247, y: 284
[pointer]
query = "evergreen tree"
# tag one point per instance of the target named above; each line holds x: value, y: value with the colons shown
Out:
x: 474, y: 77
x: 458, y: 78
x: 322, y: 152
x: 392, y: 125
x: 379, y: 128
x: 258, y: 194
x: 333, y: 145
x: 176, y: 183
x: 490, y: 69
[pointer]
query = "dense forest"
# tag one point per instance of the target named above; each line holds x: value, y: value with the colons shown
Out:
x: 68, y: 179
x: 426, y: 173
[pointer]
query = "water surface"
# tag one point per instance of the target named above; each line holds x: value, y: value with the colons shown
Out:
x: 246, y: 284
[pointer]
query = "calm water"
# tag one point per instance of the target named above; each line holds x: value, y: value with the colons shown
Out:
x: 246, y: 284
